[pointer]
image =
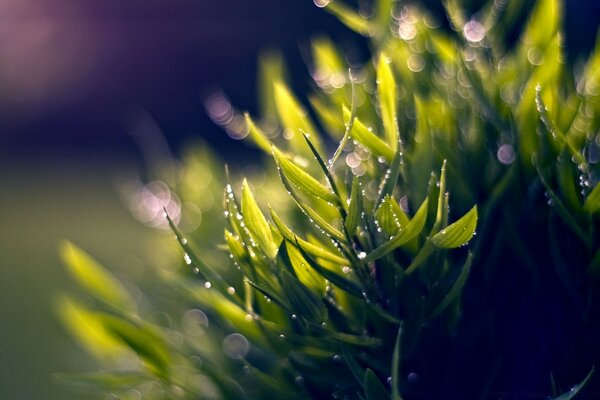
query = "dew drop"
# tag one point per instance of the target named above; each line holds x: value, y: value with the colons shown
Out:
x: 207, y: 284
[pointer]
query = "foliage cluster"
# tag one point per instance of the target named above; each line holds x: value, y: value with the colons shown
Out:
x: 361, y: 283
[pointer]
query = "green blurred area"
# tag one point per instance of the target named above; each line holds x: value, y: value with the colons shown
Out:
x: 43, y: 202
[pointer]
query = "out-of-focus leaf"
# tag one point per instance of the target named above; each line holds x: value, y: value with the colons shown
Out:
x: 310, y: 248
x: 456, y: 288
x: 386, y: 91
x: 93, y: 277
x: 257, y: 135
x: 257, y: 223
x: 374, y: 389
x: 458, y: 233
x: 371, y: 141
x: 143, y: 340
x: 357, y: 371
x: 301, y: 179
x: 412, y: 229
x: 348, y: 17
x: 354, y: 208
x: 294, y: 117
x: 271, y: 69
x: 592, y: 201
x: 87, y: 328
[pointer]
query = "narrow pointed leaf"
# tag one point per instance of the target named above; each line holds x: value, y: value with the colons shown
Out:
x: 374, y: 389
x: 293, y: 116
x: 348, y: 17
x: 456, y: 289
x: 354, y: 208
x: 302, y: 300
x: 301, y: 179
x: 390, y: 178
x: 257, y: 223
x: 364, y: 136
x: 412, y: 229
x: 338, y: 280
x: 592, y: 201
x: 396, y: 367
x: 390, y: 216
x: 386, y: 91
x: 577, y: 388
x: 459, y: 233
x: 257, y: 135
x: 93, y: 277
x: 143, y: 340
x: 308, y: 247
x: 324, y: 168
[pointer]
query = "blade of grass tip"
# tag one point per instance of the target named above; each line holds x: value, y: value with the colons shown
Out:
x: 349, y: 125
x: 396, y: 366
x: 341, y: 282
x: 209, y: 274
x: 326, y: 171
x: 390, y: 178
x: 456, y: 288
x: 357, y: 371
x: 561, y: 209
x: 577, y: 388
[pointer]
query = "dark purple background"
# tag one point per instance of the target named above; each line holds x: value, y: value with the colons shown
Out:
x: 71, y: 72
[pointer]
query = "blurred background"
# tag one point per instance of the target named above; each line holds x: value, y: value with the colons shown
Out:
x: 91, y: 92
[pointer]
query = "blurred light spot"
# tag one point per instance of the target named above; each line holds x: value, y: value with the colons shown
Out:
x: 146, y: 203
x: 506, y: 154
x: 322, y: 3
x: 221, y: 112
x: 407, y: 31
x: 194, y: 322
x: 535, y: 56
x: 352, y: 161
x: 235, y: 346
x: 474, y: 32
x: 415, y: 63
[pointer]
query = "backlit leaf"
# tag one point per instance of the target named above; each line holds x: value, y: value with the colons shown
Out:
x: 386, y: 91
x: 257, y: 223
x: 459, y: 233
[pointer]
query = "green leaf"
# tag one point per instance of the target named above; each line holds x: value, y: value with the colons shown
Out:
x: 412, y: 229
x: 386, y: 91
x: 310, y: 248
x: 88, y: 329
x: 390, y: 178
x: 396, y: 367
x: 294, y: 117
x: 459, y: 233
x: 324, y: 168
x: 374, y: 389
x: 301, y: 179
x: 257, y: 135
x: 306, y: 275
x: 338, y: 280
x: 257, y: 223
x: 141, y: 339
x: 348, y: 17
x: 456, y: 288
x: 390, y: 216
x: 357, y: 371
x: 592, y: 201
x: 364, y: 136
x: 93, y: 277
x: 302, y: 300
x: 354, y: 208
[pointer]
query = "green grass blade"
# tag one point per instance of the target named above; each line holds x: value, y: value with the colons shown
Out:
x: 94, y: 278
x: 459, y: 233
x: 456, y: 289
x: 257, y: 223
x: 301, y: 179
x: 364, y: 136
x: 412, y: 229
x: 374, y: 389
x: 386, y: 92
x: 592, y: 201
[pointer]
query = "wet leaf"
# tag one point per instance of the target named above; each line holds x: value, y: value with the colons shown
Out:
x: 459, y: 233
x: 386, y: 92
x: 301, y: 179
x: 257, y: 223
x: 370, y: 140
x: 354, y: 208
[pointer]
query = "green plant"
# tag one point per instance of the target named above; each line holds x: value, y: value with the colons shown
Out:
x: 354, y: 286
